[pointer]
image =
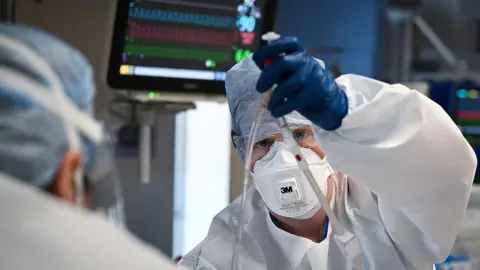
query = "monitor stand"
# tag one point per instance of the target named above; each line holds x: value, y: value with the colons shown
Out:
x: 153, y: 96
x: 135, y: 108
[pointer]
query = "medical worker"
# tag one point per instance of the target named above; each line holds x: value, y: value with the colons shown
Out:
x: 406, y: 171
x: 47, y: 139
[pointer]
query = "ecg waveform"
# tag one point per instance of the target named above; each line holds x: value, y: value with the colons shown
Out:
x: 182, y: 18
x: 183, y: 35
x: 177, y: 53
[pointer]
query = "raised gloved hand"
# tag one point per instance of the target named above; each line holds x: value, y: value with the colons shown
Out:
x: 302, y: 84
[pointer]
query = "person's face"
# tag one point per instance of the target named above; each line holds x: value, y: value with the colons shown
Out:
x: 304, y: 136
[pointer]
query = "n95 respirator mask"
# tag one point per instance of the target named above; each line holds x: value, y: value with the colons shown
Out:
x: 283, y: 186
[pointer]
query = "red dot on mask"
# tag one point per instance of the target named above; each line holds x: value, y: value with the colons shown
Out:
x: 298, y: 157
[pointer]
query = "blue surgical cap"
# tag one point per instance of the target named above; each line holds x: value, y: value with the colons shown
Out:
x: 244, y: 102
x: 33, y: 141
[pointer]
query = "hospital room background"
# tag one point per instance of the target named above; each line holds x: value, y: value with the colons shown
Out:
x: 194, y: 170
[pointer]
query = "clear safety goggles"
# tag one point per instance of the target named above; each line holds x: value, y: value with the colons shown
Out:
x: 303, y: 134
x: 103, y: 192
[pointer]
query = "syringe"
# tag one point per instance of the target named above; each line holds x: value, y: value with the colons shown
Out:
x: 296, y: 149
x: 346, y: 241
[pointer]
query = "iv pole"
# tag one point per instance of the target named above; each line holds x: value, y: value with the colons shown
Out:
x: 143, y: 112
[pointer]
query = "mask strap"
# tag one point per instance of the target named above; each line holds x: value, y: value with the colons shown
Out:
x: 38, y: 63
x: 39, y: 93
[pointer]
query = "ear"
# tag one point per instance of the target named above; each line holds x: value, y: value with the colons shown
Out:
x: 63, y: 185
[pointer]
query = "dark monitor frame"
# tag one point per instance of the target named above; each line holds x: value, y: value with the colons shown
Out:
x: 162, y: 84
x: 453, y: 109
x: 453, y: 106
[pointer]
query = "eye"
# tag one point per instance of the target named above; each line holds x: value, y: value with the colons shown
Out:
x: 265, y: 143
x: 300, y: 134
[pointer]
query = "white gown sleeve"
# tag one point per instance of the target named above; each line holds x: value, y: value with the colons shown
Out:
x: 405, y: 149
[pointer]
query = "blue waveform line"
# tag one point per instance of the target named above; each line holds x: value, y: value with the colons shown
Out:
x: 181, y: 17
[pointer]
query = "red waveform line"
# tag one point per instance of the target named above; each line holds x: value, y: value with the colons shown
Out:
x: 178, y: 34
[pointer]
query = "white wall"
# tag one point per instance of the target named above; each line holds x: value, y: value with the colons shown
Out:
x: 206, y: 168
x: 86, y: 24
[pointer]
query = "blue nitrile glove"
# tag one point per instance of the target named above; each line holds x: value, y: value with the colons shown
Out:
x: 302, y: 84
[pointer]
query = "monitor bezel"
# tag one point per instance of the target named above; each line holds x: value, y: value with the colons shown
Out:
x: 166, y: 85
x: 454, y: 101
x: 453, y: 108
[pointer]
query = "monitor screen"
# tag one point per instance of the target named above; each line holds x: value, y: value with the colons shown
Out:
x: 466, y: 113
x: 174, y: 45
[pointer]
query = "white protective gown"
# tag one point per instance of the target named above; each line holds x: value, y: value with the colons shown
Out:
x: 38, y: 232
x: 410, y: 176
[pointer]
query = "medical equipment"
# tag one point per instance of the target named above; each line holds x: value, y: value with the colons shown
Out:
x: 181, y: 50
x: 346, y: 241
x: 153, y: 76
x: 465, y: 111
x: 461, y: 100
x: 136, y: 116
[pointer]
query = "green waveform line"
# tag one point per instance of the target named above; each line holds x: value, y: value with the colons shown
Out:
x: 468, y: 122
x: 474, y: 140
x: 177, y: 53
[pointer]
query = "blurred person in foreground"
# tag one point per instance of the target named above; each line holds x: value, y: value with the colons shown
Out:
x: 52, y: 151
x: 402, y: 175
